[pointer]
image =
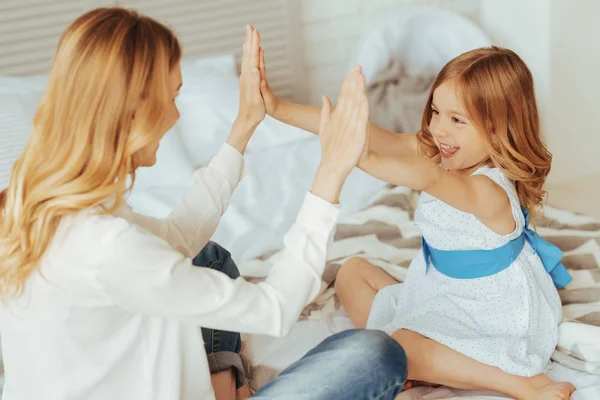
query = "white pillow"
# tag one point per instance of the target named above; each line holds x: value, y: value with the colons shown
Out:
x: 19, y: 101
x: 211, y: 88
x: 208, y: 104
x: 423, y: 38
x: 196, y: 137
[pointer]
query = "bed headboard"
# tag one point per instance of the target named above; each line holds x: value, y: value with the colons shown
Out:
x: 29, y: 32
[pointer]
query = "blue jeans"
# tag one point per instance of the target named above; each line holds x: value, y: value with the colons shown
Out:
x: 354, y: 364
x: 222, y: 347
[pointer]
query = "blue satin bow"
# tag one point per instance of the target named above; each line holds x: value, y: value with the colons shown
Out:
x: 470, y: 264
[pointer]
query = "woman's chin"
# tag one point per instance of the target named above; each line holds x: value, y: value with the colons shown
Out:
x: 148, y: 162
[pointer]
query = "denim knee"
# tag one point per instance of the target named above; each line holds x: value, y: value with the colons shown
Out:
x: 353, y: 364
x: 386, y: 350
x: 380, y: 350
x: 215, y: 256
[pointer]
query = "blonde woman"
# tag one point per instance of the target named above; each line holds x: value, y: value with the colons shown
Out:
x: 102, y: 303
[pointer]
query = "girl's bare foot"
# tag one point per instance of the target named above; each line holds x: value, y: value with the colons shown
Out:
x: 543, y: 388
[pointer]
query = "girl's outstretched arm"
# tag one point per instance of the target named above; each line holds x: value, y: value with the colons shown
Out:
x: 477, y: 195
x: 382, y: 141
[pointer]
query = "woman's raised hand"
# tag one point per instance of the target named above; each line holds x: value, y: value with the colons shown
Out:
x: 343, y: 134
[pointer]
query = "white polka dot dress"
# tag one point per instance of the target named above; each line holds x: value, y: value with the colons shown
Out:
x: 508, y: 320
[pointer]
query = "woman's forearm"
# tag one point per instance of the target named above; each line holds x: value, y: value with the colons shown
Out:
x: 477, y: 195
x: 240, y: 135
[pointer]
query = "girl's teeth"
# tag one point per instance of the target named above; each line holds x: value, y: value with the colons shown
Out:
x: 447, y: 149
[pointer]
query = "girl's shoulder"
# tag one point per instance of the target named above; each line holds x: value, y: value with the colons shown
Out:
x: 493, y: 173
x: 496, y: 175
x: 508, y: 185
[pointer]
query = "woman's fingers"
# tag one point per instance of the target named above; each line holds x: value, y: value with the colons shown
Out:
x: 361, y: 117
x: 364, y: 110
x: 250, y: 54
x: 245, y: 53
x: 349, y: 85
x: 250, y: 61
x: 346, y: 126
x: 255, y: 49
x: 352, y: 88
x: 325, y: 113
x: 254, y: 81
x: 344, y: 91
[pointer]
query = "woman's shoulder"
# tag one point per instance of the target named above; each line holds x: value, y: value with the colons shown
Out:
x: 87, y: 234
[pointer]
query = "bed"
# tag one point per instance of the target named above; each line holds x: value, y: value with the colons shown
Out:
x: 376, y: 219
x: 383, y: 233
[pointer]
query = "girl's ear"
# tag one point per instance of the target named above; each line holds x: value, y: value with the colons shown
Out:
x: 492, y: 130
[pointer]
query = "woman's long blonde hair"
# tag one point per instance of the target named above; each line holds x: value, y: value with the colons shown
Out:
x: 105, y: 100
x: 497, y: 90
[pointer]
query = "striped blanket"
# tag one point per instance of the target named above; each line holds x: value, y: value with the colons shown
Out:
x: 384, y: 234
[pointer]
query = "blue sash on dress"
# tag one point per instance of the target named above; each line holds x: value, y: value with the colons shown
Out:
x: 470, y: 264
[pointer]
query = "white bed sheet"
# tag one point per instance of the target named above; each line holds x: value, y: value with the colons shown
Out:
x: 266, y: 203
x: 278, y: 353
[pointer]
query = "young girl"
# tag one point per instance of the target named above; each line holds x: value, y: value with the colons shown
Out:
x: 101, y: 303
x: 479, y: 307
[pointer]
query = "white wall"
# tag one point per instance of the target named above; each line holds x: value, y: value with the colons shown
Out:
x: 575, y: 86
x: 523, y: 26
x: 332, y: 28
x: 558, y: 41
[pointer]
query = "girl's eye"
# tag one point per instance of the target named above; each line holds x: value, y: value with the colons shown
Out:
x: 434, y: 111
x: 457, y: 121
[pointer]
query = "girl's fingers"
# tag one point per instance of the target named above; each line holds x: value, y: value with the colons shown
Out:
x: 261, y: 65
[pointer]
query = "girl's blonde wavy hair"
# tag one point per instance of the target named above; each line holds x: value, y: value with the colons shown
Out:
x: 107, y: 91
x: 497, y: 90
